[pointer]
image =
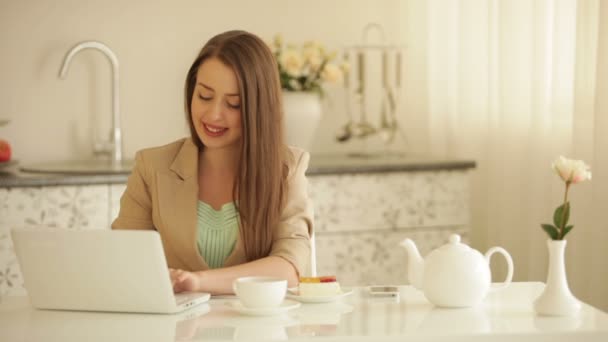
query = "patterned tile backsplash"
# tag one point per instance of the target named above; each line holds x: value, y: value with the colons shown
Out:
x: 360, y: 220
x: 345, y: 203
x: 375, y: 258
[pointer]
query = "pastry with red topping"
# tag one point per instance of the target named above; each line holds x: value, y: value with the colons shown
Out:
x: 319, y: 286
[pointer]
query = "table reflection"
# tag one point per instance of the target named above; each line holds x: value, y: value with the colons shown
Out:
x: 456, y: 320
x: 557, y: 324
x: 50, y: 325
x: 319, y: 319
x: 264, y: 328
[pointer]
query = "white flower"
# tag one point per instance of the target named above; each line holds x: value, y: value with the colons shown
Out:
x: 291, y: 61
x: 295, y: 84
x: 278, y: 40
x: 312, y: 55
x: 310, y: 48
x: 571, y: 171
x: 315, y: 62
x: 305, y: 67
x: 331, y: 55
x: 331, y: 73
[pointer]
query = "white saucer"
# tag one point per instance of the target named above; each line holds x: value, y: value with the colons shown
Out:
x: 293, y: 294
x: 284, y: 307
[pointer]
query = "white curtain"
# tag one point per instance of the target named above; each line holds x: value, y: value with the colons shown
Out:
x: 512, y: 85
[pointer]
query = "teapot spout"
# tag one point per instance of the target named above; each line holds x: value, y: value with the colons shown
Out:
x: 415, y: 264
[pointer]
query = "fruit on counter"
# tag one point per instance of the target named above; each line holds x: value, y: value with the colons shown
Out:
x: 319, y: 286
x: 5, y: 151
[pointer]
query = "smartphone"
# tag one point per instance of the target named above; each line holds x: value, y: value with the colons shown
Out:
x: 384, y: 291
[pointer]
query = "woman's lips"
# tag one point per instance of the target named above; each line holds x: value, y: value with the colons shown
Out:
x: 214, y: 131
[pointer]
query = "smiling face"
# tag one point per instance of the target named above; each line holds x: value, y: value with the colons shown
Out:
x: 216, y: 106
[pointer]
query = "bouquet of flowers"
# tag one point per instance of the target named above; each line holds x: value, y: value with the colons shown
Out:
x: 306, y: 67
x: 571, y: 172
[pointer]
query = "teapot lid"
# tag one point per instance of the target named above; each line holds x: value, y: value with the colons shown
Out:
x: 454, y: 238
x: 454, y: 254
x: 454, y: 245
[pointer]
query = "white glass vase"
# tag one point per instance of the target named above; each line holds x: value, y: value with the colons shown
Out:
x: 302, y: 115
x: 556, y: 299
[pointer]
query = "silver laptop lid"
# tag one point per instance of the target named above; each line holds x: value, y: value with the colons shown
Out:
x: 95, y: 270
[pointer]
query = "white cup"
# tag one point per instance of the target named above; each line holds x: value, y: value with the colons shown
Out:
x: 260, y: 292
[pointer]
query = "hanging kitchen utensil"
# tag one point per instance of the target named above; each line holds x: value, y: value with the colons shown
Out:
x: 395, y: 98
x: 362, y: 128
x: 364, y: 88
x: 387, y: 131
x: 345, y: 132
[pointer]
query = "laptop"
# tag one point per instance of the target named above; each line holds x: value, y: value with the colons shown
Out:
x: 98, y: 270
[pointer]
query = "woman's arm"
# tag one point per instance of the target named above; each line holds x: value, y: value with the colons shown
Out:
x: 290, y: 253
x: 219, y: 281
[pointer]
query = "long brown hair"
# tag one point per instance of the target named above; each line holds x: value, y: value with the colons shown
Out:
x: 262, y: 173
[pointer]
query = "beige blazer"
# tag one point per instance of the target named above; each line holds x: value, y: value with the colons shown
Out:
x: 162, y: 194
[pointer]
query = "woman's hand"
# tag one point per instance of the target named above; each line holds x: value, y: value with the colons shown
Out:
x: 184, y: 281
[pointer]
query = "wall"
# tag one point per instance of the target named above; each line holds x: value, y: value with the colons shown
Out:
x: 155, y: 41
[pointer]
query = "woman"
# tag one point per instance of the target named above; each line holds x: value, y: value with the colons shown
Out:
x: 231, y: 200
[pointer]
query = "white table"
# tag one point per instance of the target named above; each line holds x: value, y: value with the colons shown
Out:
x: 504, y: 316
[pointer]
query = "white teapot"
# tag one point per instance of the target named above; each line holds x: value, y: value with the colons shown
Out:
x: 454, y: 275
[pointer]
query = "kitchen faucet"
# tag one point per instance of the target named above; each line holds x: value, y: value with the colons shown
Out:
x: 114, y: 147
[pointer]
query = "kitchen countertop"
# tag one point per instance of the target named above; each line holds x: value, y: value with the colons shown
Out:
x: 320, y: 164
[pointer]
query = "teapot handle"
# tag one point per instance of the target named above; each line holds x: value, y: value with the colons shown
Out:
x: 509, y: 264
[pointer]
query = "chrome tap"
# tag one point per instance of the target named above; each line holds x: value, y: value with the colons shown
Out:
x: 114, y: 147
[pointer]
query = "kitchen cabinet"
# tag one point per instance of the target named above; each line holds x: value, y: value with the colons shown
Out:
x: 361, y: 215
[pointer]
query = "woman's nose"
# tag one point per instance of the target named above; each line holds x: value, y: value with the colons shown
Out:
x: 215, y: 111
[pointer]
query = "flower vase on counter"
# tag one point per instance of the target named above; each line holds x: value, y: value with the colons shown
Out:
x: 302, y: 114
x: 303, y: 71
x: 556, y: 299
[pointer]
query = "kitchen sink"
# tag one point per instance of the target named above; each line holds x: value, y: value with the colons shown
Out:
x: 81, y: 167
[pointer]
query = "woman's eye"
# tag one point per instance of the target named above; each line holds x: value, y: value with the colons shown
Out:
x: 234, y: 106
x: 204, y: 98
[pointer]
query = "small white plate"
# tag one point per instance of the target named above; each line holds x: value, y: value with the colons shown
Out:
x: 284, y: 307
x: 293, y: 294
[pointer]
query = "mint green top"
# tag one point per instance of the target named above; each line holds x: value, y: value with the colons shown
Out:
x: 217, y: 232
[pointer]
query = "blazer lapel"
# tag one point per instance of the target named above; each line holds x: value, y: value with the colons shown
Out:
x: 177, y: 199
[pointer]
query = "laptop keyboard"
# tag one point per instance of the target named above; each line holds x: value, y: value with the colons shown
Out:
x: 181, y: 298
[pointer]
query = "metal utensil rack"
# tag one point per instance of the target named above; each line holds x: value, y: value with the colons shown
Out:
x: 358, y: 88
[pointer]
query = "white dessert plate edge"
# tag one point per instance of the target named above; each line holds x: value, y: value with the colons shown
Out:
x: 292, y: 293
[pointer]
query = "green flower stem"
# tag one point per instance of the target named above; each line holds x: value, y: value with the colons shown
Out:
x: 561, y: 228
